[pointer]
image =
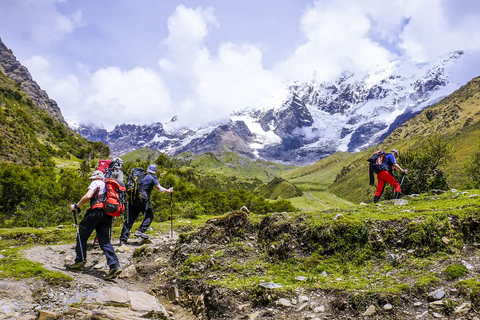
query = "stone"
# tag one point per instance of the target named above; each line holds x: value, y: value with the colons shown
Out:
x: 463, y: 308
x: 302, y: 299
x: 254, y: 315
x: 467, y: 265
x: 436, y: 295
x: 128, y: 272
x: 282, y: 302
x: 302, y: 307
x: 370, y: 311
x: 47, y: 315
x: 400, y: 202
x: 388, y: 306
x: 300, y: 278
x: 173, y: 295
x: 338, y: 216
x: 319, y: 309
x: 142, y: 301
x: 270, y: 285
x: 115, y: 294
x: 417, y: 304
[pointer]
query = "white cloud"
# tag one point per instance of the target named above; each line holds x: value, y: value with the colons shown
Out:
x: 199, y: 79
x: 40, y: 21
x: 232, y: 79
x: 337, y: 39
x: 431, y: 32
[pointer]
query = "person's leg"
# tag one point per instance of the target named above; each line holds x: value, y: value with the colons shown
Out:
x: 132, y: 214
x: 386, y: 176
x: 380, y: 184
x: 103, y: 233
x: 148, y: 218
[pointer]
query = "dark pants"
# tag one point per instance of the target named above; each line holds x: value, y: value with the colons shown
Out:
x: 133, y: 211
x: 101, y: 222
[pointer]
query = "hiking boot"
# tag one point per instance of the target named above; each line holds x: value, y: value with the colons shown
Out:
x: 140, y: 234
x: 77, y: 266
x: 95, y: 243
x: 399, y: 195
x: 122, y: 242
x: 113, y: 273
x: 376, y: 199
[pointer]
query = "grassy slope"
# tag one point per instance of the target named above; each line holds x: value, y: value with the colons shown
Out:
x: 144, y: 154
x: 231, y: 164
x: 314, y: 181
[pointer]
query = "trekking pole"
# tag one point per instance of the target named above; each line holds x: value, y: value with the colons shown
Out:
x: 78, y: 231
x: 171, y: 215
x: 403, y: 177
x: 112, y: 226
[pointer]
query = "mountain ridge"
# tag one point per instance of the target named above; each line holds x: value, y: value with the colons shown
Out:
x: 315, y: 119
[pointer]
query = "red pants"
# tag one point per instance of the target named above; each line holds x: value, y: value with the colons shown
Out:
x: 382, y: 178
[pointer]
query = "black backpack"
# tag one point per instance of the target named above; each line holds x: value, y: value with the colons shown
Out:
x: 377, y: 164
x: 134, y: 180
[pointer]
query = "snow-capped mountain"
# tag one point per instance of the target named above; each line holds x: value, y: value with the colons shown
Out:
x: 308, y: 121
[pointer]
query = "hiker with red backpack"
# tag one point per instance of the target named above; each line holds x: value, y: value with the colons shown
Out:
x: 139, y: 201
x: 383, y: 165
x: 95, y: 219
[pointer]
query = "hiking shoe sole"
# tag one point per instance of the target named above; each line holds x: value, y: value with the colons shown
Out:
x: 76, y: 267
x: 141, y: 235
x: 113, y: 273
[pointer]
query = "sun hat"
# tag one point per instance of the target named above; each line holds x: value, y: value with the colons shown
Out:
x: 394, y: 151
x: 97, y: 174
x: 152, y: 168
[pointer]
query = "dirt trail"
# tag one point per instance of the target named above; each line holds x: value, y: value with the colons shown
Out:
x: 55, y: 257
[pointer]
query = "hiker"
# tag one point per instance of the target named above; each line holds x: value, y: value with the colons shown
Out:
x: 115, y: 170
x: 385, y: 176
x: 95, y: 219
x: 142, y: 204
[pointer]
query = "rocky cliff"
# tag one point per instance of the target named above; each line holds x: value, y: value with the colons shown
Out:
x: 20, y: 74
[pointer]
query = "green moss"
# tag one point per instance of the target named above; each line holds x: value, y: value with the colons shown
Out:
x: 455, y: 271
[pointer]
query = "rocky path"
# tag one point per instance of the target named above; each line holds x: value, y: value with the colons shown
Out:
x: 89, y: 295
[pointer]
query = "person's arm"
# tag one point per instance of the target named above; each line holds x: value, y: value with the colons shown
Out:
x: 396, y: 166
x: 163, y: 190
x: 86, y: 197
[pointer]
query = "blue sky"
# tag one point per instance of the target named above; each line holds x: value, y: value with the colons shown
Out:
x: 149, y: 60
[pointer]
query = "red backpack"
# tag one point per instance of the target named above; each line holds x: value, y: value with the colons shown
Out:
x: 115, y: 197
x: 103, y: 165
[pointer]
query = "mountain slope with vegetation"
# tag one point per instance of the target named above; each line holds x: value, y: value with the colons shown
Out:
x: 447, y: 133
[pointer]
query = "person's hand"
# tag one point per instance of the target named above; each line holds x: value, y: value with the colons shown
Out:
x: 73, y: 206
x: 169, y: 190
x: 405, y: 171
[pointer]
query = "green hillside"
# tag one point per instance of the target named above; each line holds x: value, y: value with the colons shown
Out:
x: 231, y: 164
x: 144, y: 154
x: 30, y: 136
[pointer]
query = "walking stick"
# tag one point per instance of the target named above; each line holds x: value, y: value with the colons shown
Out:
x: 78, y: 231
x: 171, y: 215
x: 403, y: 177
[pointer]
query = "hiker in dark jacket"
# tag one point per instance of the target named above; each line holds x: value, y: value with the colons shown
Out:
x: 142, y: 205
x: 385, y: 176
x: 95, y: 219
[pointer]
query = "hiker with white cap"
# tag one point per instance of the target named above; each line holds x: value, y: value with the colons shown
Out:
x: 95, y: 219
x: 386, y: 176
x: 142, y: 205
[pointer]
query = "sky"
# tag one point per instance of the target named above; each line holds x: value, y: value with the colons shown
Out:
x: 110, y: 62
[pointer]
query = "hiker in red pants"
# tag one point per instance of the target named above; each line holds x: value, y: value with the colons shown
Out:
x: 385, y: 176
